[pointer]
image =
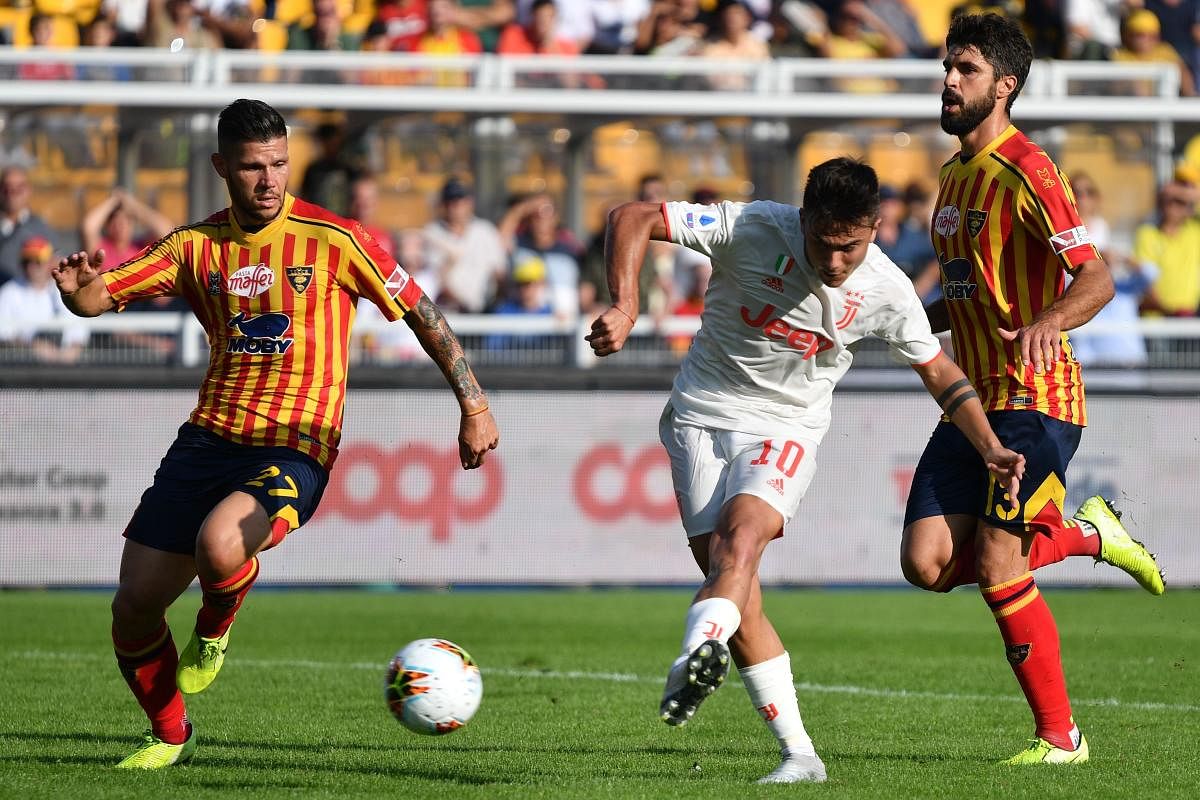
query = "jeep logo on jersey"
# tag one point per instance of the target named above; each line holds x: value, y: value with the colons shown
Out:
x: 251, y: 281
x: 299, y: 277
x: 956, y: 279
x: 945, y: 221
x: 1065, y: 240
x: 260, y: 335
x: 806, y: 342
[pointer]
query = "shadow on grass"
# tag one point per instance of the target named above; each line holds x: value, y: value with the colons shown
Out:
x: 74, y: 736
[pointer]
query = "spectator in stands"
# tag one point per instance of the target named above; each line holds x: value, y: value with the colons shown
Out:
x: 537, y: 36
x: 175, y: 24
x: 41, y: 32
x: 464, y: 251
x: 1180, y: 24
x: 532, y: 227
x: 129, y: 19
x: 530, y: 297
x: 906, y: 241
x: 734, y: 42
x: 1123, y: 347
x: 232, y: 20
x: 901, y: 18
x: 445, y: 36
x: 691, y: 303
x: 1094, y: 28
x: 325, y: 32
x: 573, y: 21
x: 328, y: 177
x: 405, y: 20
x: 671, y: 28
x: 18, y: 223
x: 615, y: 25
x: 856, y: 32
x: 1141, y: 42
x: 386, y: 343
x: 487, y: 18
x: 100, y: 34
x: 364, y: 202
x: 111, y: 225
x: 33, y: 299
x: 1172, y: 245
x: 1045, y: 22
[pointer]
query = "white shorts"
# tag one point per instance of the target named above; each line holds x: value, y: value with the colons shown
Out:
x: 709, y: 467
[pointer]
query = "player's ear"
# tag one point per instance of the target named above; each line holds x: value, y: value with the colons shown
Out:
x: 218, y: 162
x: 1006, y: 86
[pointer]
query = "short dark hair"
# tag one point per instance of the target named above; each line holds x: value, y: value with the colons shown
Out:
x: 248, y: 121
x: 841, y: 193
x: 999, y: 40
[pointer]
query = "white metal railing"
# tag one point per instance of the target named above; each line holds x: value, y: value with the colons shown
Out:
x: 491, y: 84
x: 478, y: 327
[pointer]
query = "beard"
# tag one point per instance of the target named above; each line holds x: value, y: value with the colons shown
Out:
x: 970, y: 115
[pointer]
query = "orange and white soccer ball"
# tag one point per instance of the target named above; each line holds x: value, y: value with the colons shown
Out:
x: 433, y: 686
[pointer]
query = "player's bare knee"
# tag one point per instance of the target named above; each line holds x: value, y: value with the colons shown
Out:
x: 921, y: 573
x: 219, y: 556
x: 132, y: 613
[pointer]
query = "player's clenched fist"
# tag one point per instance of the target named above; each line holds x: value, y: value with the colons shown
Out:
x: 609, y: 331
x: 76, y: 271
x: 477, y: 435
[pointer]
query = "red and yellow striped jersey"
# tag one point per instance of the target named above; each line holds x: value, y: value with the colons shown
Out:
x: 1005, y: 230
x: 277, y: 304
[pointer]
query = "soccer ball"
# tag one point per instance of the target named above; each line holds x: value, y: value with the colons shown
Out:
x: 433, y: 686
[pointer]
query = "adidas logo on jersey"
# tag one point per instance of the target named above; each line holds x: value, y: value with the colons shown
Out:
x: 776, y: 484
x: 773, y: 282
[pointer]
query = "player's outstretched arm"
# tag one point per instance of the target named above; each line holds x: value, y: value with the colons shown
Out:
x: 1041, y: 340
x: 631, y: 226
x: 954, y: 393
x: 78, y: 281
x: 477, y: 432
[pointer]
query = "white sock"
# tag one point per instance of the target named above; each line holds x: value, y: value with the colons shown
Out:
x: 773, y: 693
x: 713, y: 618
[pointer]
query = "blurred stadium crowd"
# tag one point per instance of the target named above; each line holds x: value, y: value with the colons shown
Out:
x: 523, y: 259
x: 1122, y: 30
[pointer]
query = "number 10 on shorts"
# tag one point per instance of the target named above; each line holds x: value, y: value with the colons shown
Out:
x: 788, y: 461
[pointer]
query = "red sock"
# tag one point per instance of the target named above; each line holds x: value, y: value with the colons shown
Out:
x: 1060, y: 539
x: 223, y: 599
x: 148, y: 666
x: 1031, y: 644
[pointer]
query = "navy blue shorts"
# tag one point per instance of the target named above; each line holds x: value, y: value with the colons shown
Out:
x: 951, y: 477
x: 201, y: 469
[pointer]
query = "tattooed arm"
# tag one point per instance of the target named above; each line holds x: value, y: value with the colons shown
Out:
x: 477, y: 429
x: 958, y: 399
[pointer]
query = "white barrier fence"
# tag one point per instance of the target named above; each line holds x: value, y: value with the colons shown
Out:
x: 578, y: 493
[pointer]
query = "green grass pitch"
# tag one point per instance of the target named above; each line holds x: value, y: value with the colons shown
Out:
x: 906, y: 694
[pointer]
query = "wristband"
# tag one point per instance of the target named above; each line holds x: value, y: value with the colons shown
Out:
x: 476, y: 412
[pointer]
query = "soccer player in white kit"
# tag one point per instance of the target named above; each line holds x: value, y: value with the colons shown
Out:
x: 792, y: 292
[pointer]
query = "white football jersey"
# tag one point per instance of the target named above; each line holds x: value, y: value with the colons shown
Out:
x: 774, y: 340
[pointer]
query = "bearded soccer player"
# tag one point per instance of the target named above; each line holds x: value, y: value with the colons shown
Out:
x: 792, y: 293
x: 1006, y: 231
x: 274, y: 281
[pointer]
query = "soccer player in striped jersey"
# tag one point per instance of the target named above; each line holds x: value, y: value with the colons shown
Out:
x: 274, y: 281
x: 792, y: 295
x: 1007, y: 231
